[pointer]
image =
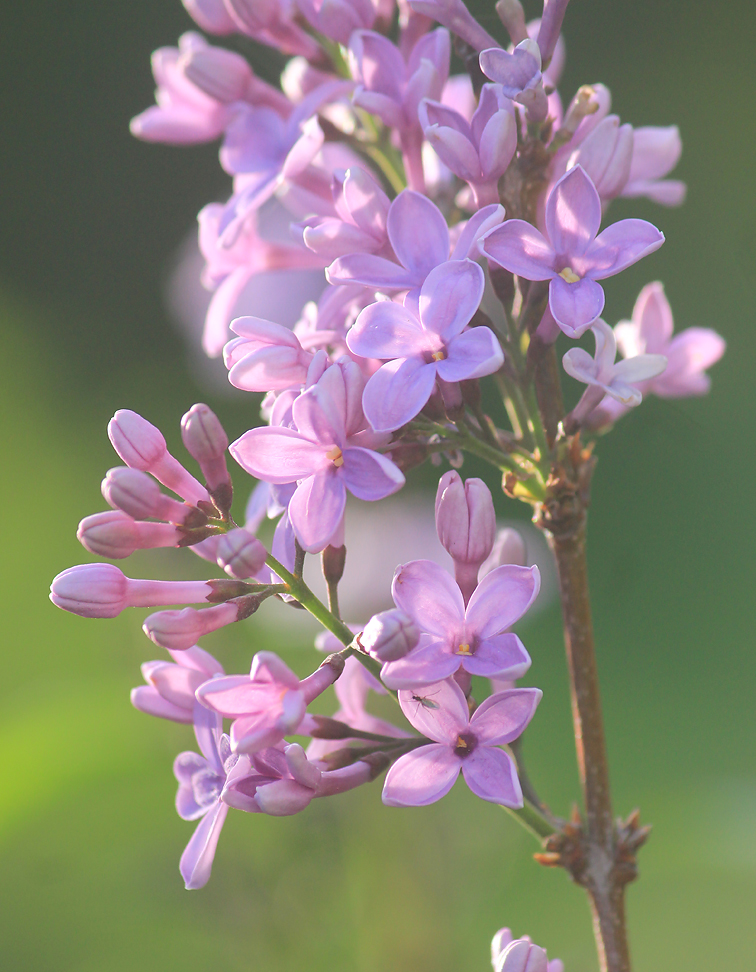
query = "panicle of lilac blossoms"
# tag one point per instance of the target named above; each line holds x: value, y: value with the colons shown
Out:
x: 323, y: 453
x: 473, y: 637
x: 519, y: 74
x: 103, y: 591
x: 142, y: 446
x: 478, y: 151
x: 605, y: 377
x: 461, y: 743
x: 419, y: 237
x: 170, y: 688
x: 424, y: 342
x: 574, y: 255
x: 509, y: 954
x: 454, y: 15
x: 269, y: 703
x: 466, y: 526
x: 650, y: 331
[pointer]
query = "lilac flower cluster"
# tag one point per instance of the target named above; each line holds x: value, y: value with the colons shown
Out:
x: 458, y: 224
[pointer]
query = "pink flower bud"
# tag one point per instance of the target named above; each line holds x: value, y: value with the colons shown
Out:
x: 606, y: 155
x: 142, y: 446
x: 139, y: 495
x: 219, y: 73
x: 522, y: 956
x: 465, y: 518
x: 114, y: 534
x: 240, y: 554
x: 179, y: 630
x: 103, y: 591
x: 390, y: 635
x: 509, y: 548
x: 512, y: 16
x: 206, y: 441
x: 211, y: 15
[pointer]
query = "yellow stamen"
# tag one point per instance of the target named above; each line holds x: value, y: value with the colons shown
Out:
x: 336, y: 456
x: 569, y: 275
x: 463, y: 650
x: 438, y: 355
x: 461, y: 744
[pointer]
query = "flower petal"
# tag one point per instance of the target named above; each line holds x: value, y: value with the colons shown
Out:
x: 501, y: 599
x: 575, y: 306
x: 500, y: 656
x: 418, y: 233
x: 503, y: 717
x: 318, y: 416
x: 450, y: 296
x: 277, y: 455
x: 640, y: 368
x: 431, y: 597
x: 221, y: 310
x: 197, y: 859
x: 316, y: 509
x: 475, y: 229
x: 620, y: 246
x: 371, y: 271
x: 491, y: 775
x: 475, y: 353
x: 396, y: 393
x: 439, y: 711
x: 369, y: 475
x: 421, y: 777
x: 429, y: 662
x: 573, y: 213
x: 386, y: 330
x: 520, y: 248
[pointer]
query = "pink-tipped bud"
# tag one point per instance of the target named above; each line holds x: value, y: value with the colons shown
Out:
x: 522, y: 956
x: 114, y: 534
x: 211, y: 15
x: 240, y: 554
x: 509, y: 548
x: 179, y: 630
x: 91, y: 590
x: 390, y: 635
x: 465, y: 518
x: 206, y: 441
x: 143, y: 447
x: 219, y: 73
x: 138, y: 495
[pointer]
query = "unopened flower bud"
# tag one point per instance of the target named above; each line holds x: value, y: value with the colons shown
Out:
x: 219, y: 73
x: 606, y: 155
x: 509, y: 548
x: 114, y: 534
x: 103, y: 591
x: 512, y: 16
x: 138, y: 495
x: 522, y: 956
x: 240, y: 553
x: 210, y: 15
x: 206, y: 441
x: 390, y: 635
x: 465, y: 518
x: 143, y: 447
x: 179, y: 630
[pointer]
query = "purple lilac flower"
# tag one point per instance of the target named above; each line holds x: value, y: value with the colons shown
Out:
x: 268, y: 703
x: 573, y: 257
x: 466, y: 526
x: 170, y: 688
x: 650, y: 331
x: 656, y: 151
x: 424, y: 344
x: 475, y: 637
x: 519, y: 74
x: 211, y: 15
x: 606, y: 156
x: 460, y: 744
x: 323, y: 454
x: 272, y: 22
x: 478, y: 151
x: 605, y: 377
x: 419, y: 237
x: 265, y: 356
x: 359, y: 224
x: 510, y: 954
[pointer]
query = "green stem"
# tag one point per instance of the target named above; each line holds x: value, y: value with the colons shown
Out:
x: 532, y: 820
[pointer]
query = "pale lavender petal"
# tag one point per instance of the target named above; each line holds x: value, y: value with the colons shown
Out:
x: 376, y: 62
x: 277, y: 455
x: 316, y: 509
x: 221, y: 310
x: 520, y: 248
x: 304, y: 149
x: 418, y: 233
x: 656, y: 151
x: 431, y: 597
x: 456, y: 152
x: 498, y: 143
x: 235, y: 695
x: 501, y: 599
x: 270, y: 369
x: 573, y: 213
x: 476, y: 227
x: 640, y: 368
x: 620, y: 246
x: 473, y: 354
x: 369, y: 475
x: 186, y: 764
x: 504, y: 716
x: 450, y: 296
x: 580, y: 365
x: 197, y: 860
x: 499, y: 656
x: 492, y: 776
x: 386, y: 108
x: 396, y: 393
x: 318, y: 418
x: 283, y: 797
x: 689, y: 354
x: 665, y: 192
x: 386, y: 330
x: 207, y: 730
x: 424, y: 665
x: 332, y: 238
x: 435, y: 113
x: 148, y: 700
x: 575, y: 306
x: 421, y: 777
x: 370, y: 271
x: 439, y: 711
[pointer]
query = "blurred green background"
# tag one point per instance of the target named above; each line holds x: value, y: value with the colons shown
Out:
x: 89, y: 839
